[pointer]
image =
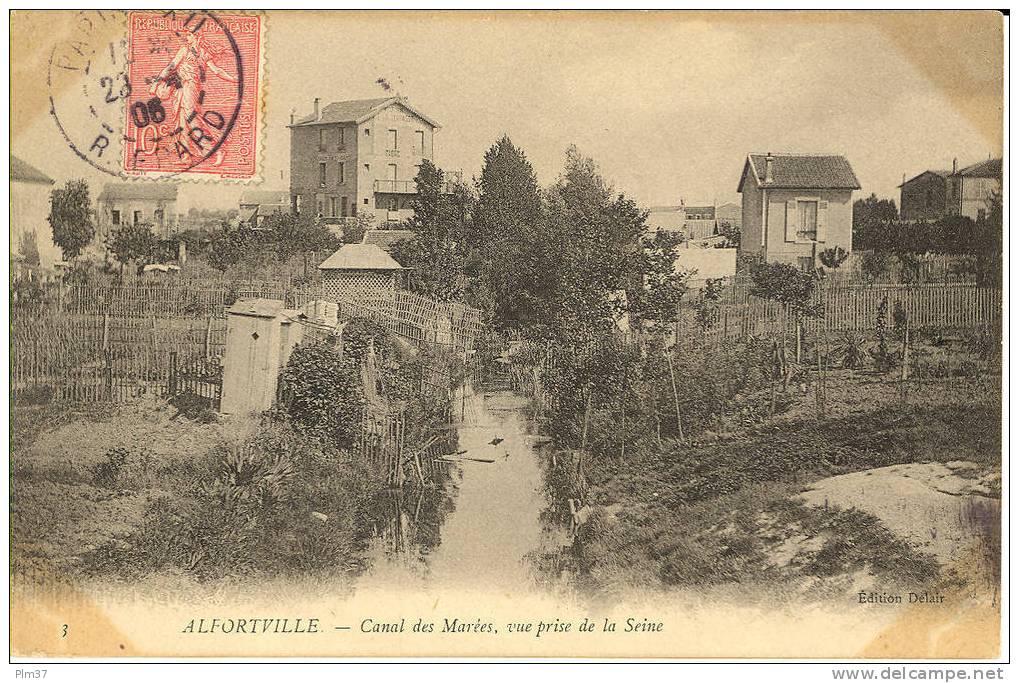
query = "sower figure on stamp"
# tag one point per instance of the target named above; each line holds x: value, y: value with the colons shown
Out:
x: 180, y: 83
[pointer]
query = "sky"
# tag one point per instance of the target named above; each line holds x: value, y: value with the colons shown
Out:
x: 668, y: 105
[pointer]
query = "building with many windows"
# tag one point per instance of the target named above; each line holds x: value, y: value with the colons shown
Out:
x: 359, y: 157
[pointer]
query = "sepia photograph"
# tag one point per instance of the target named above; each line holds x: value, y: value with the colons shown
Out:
x: 602, y: 335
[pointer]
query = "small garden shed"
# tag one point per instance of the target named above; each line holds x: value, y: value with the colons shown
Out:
x: 360, y: 272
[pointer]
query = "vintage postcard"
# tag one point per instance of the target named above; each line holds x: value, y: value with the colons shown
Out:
x: 507, y: 334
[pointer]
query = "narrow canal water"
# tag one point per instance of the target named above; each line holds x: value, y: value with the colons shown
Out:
x: 479, y: 530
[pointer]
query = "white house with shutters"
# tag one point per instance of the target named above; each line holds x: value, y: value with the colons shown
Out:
x: 796, y: 206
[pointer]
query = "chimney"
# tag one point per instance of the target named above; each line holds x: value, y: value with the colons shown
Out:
x: 955, y: 165
x: 316, y: 108
x: 291, y: 118
x: 768, y: 175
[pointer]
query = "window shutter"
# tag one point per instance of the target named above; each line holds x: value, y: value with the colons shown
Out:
x: 790, y: 220
x: 822, y: 220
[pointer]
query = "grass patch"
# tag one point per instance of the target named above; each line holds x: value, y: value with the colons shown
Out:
x: 720, y: 512
x: 233, y: 498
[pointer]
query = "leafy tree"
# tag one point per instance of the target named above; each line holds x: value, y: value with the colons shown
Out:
x: 229, y: 246
x: 731, y: 233
x: 874, y: 210
x: 286, y: 234
x: 502, y: 238
x: 988, y: 244
x: 663, y: 289
x: 72, y: 218
x: 593, y: 247
x: 134, y: 243
x: 784, y: 283
x: 442, y: 214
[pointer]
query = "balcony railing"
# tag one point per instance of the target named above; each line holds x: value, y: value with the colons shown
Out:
x: 406, y: 187
x: 396, y: 186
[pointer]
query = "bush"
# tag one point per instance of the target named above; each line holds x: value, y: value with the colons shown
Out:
x: 252, y: 476
x: 849, y: 350
x: 194, y: 406
x: 833, y: 257
x: 786, y: 284
x: 36, y: 395
x: 106, y: 473
x: 228, y: 501
x: 321, y: 393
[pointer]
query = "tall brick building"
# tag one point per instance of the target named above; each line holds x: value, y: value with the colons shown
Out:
x: 359, y: 156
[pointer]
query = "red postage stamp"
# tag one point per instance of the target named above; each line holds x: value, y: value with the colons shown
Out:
x: 195, y: 94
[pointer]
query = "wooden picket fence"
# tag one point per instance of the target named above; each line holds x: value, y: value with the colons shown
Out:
x: 107, y: 358
x: 415, y: 317
x: 383, y: 441
x: 938, y: 306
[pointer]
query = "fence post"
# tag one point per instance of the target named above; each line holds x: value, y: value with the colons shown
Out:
x: 108, y: 372
x: 675, y: 396
x: 208, y: 338
x: 799, y: 339
x: 172, y: 383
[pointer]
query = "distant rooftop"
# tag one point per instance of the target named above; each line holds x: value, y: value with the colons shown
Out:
x: 360, y: 257
x: 156, y: 191
x: 984, y: 169
x: 801, y: 171
x: 939, y: 173
x: 26, y: 173
x: 357, y: 111
x: 256, y: 197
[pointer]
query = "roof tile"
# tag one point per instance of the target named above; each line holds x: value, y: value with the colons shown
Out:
x: 26, y: 173
x: 815, y: 172
x: 984, y: 169
x: 360, y: 257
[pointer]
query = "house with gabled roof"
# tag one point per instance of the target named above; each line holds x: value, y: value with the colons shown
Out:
x: 255, y: 206
x: 971, y: 188
x: 796, y: 206
x: 924, y: 197
x: 934, y: 194
x: 29, y: 210
x: 136, y: 203
x: 359, y: 157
